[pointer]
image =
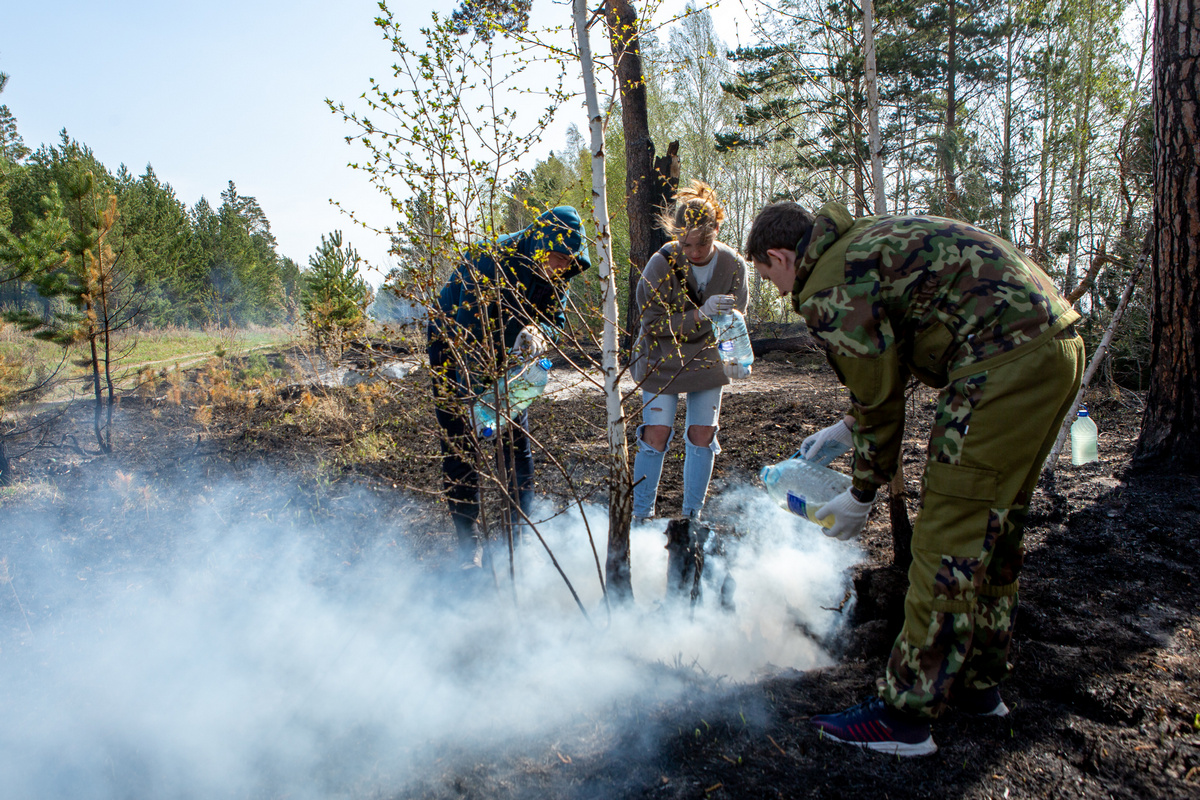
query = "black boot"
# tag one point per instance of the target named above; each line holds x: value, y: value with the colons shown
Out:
x: 518, y: 514
x: 468, y: 538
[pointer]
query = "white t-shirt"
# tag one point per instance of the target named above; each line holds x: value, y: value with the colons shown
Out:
x: 703, y: 273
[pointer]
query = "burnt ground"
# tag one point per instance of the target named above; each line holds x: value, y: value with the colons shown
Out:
x: 1106, y: 696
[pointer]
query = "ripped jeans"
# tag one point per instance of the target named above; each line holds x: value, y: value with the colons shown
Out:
x: 703, y: 408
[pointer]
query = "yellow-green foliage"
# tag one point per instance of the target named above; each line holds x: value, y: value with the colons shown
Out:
x: 13, y: 373
x: 371, y: 446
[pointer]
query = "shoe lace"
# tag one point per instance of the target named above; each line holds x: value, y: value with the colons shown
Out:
x: 868, y: 704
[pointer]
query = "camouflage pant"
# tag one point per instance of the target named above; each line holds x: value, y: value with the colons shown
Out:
x: 991, y: 434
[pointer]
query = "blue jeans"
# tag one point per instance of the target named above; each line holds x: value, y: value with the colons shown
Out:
x: 703, y: 408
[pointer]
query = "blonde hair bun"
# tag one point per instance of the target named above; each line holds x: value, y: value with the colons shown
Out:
x: 696, y: 208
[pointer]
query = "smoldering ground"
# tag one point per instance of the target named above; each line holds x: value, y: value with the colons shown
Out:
x: 256, y: 658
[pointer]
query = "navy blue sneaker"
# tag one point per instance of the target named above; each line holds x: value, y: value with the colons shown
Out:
x: 874, y: 725
x: 980, y: 702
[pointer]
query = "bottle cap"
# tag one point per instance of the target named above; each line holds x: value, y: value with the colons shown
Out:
x: 486, y: 432
x: 1082, y: 412
x: 545, y: 363
x: 762, y: 473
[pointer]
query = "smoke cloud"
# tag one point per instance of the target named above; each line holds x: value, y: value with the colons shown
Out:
x: 253, y: 658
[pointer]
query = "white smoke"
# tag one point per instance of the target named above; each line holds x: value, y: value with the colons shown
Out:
x: 256, y: 660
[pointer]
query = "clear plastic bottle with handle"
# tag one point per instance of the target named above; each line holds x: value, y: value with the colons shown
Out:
x: 1083, y: 439
x: 801, y: 486
x: 517, y: 390
x: 733, y: 340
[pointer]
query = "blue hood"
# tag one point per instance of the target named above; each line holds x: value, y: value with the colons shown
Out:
x: 559, y: 230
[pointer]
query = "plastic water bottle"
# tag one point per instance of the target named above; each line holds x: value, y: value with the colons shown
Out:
x: 1083, y: 439
x: 828, y: 453
x: 520, y: 387
x: 801, y: 486
x: 733, y: 340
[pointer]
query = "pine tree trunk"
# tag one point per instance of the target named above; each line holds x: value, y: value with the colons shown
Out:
x: 645, y: 193
x: 1171, y: 425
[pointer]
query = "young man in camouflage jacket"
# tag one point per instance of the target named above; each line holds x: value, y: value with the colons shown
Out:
x: 962, y: 311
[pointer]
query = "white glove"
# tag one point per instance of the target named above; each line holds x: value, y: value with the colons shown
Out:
x: 849, y: 516
x: 827, y: 444
x: 717, y: 304
x: 735, y: 370
x: 530, y: 343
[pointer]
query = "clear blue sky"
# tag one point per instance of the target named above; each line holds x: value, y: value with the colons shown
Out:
x: 207, y: 93
x: 217, y: 91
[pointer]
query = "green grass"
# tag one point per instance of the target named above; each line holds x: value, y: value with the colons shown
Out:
x: 137, y: 349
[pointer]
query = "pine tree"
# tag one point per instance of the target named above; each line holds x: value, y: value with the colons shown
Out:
x: 334, y: 296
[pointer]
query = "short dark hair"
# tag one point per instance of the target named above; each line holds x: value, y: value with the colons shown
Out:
x: 779, y: 226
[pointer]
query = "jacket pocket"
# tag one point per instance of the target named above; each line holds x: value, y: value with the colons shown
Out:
x: 931, y: 353
x: 965, y: 483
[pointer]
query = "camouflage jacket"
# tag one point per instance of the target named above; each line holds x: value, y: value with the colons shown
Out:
x: 933, y: 298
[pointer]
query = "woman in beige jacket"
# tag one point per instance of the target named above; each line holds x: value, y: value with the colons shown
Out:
x: 684, y: 285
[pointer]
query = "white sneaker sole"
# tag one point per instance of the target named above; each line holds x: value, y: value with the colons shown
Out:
x: 903, y: 749
x: 1001, y: 710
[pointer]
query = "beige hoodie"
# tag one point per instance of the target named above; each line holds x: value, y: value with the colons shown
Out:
x: 673, y: 353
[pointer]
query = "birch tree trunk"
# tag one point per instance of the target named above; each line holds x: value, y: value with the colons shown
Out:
x: 897, y: 489
x: 1007, y: 188
x: 874, y: 140
x: 620, y: 498
x: 950, y: 134
x: 1081, y: 156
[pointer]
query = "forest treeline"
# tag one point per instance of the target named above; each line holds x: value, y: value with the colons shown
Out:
x: 1030, y: 119
x: 181, y: 265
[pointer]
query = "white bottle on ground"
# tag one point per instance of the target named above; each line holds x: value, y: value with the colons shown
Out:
x: 801, y: 486
x: 1083, y: 439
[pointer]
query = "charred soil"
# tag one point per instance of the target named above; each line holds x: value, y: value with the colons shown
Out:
x: 1106, y: 694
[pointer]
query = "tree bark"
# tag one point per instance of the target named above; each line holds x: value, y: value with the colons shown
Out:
x: 1079, y: 167
x: 897, y: 495
x: 1171, y: 427
x: 646, y: 189
x: 664, y: 186
x: 1006, y: 153
x: 874, y: 139
x: 5, y: 464
x: 950, y: 136
x: 618, y: 579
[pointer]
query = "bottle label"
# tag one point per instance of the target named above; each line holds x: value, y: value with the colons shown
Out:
x: 797, y: 505
x: 726, y: 346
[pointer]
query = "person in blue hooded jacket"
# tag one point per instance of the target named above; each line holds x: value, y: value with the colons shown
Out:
x: 506, y: 300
